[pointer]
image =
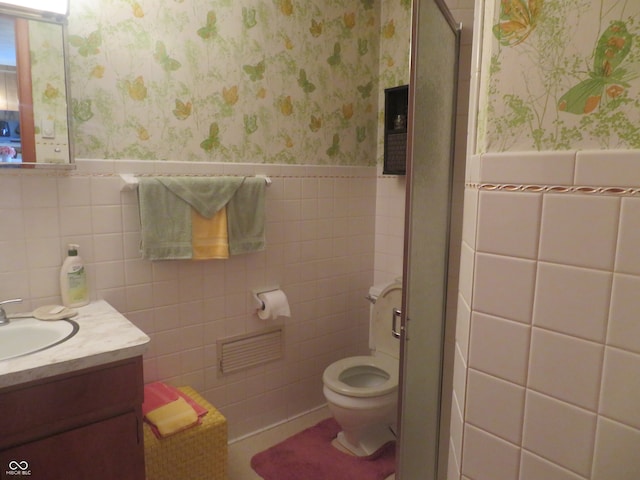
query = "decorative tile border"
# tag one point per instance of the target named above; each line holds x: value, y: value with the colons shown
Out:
x: 586, y: 171
x: 584, y: 189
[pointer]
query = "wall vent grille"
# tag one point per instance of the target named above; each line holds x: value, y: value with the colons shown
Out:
x: 249, y: 350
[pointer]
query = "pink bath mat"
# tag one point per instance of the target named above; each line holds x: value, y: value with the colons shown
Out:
x: 309, y: 455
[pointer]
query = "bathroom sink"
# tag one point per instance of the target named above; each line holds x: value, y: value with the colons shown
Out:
x: 28, y: 335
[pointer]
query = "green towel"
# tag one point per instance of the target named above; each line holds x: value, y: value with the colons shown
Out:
x: 245, y: 217
x: 165, y: 213
x: 206, y: 194
x: 165, y: 222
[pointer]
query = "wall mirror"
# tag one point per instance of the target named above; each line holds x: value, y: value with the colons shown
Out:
x: 34, y: 94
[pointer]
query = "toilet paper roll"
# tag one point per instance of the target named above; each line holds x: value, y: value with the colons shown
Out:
x: 275, y: 305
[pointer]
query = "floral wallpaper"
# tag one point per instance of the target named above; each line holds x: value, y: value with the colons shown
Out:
x: 46, y: 47
x: 561, y: 74
x: 395, y: 55
x: 264, y: 81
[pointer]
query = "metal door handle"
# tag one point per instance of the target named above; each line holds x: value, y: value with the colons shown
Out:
x: 395, y: 316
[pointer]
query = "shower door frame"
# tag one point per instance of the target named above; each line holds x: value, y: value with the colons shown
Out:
x: 429, y: 181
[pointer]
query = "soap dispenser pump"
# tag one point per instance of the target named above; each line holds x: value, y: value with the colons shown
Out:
x: 73, y: 279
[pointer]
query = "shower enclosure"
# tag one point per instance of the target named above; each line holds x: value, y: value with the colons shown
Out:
x: 432, y: 108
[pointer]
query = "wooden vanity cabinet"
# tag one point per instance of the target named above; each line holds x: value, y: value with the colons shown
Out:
x: 80, y: 425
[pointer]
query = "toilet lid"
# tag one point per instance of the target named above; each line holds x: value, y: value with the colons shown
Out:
x: 352, y: 366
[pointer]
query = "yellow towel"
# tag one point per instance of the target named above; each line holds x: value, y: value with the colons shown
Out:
x: 209, y: 235
x: 173, y: 417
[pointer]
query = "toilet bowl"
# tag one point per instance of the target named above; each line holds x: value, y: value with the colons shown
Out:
x: 362, y: 391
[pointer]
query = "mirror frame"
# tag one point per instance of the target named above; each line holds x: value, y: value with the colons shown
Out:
x: 33, y: 14
x: 21, y: 17
x: 25, y: 93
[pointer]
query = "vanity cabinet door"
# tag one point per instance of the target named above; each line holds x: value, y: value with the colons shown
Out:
x: 57, y: 404
x: 106, y: 450
x: 81, y: 425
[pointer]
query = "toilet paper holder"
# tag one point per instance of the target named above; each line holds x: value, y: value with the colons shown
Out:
x: 257, y: 291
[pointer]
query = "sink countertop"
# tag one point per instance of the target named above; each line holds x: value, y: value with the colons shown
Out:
x: 105, y: 336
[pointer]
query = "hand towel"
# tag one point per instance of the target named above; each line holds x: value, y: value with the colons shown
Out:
x: 157, y: 394
x: 206, y: 194
x: 173, y: 417
x: 164, y: 411
x: 165, y: 222
x: 209, y: 235
x: 246, y: 217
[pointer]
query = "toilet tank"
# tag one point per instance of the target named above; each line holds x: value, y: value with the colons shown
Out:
x: 384, y: 299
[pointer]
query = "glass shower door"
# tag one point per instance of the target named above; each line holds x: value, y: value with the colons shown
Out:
x: 432, y: 109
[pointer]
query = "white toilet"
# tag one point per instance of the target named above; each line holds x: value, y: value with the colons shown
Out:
x: 362, y: 391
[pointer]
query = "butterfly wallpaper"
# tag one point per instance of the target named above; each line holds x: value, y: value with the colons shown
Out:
x: 260, y: 81
x: 47, y: 82
x: 561, y: 75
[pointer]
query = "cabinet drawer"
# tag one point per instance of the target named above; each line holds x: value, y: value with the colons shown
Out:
x: 59, y: 403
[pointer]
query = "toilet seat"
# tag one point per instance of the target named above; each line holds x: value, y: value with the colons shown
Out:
x: 381, y: 370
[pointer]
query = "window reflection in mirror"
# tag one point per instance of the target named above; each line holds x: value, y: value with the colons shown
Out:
x: 33, y: 106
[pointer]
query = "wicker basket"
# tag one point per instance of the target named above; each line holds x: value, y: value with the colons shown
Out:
x: 197, y: 453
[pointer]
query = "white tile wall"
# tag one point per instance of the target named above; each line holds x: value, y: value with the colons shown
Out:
x: 547, y: 168
x: 503, y: 286
x: 488, y: 457
x: 507, y: 225
x: 320, y: 234
x: 559, y: 432
x: 565, y: 367
x: 495, y: 406
x: 470, y: 216
x: 616, y: 455
x: 533, y: 467
x: 558, y: 322
x: 389, y: 243
x: 567, y: 238
x: 620, y: 387
x: 499, y: 347
x: 463, y: 322
x: 622, y: 168
x: 627, y: 258
x: 624, y: 327
x: 572, y: 300
x: 467, y: 263
x: 456, y: 427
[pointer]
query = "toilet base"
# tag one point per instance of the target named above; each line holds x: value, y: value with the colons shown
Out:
x: 369, y: 441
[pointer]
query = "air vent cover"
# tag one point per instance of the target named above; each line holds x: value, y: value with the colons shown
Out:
x: 249, y: 350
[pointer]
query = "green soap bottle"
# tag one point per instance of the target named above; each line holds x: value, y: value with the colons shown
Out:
x: 73, y: 279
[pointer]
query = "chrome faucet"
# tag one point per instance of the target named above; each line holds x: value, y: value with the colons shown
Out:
x: 3, y: 315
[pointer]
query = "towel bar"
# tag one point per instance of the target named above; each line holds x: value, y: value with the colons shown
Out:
x: 130, y: 181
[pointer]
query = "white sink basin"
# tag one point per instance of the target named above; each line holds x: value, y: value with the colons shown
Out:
x: 28, y: 335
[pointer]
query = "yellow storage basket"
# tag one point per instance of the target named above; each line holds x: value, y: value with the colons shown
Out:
x: 197, y: 453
